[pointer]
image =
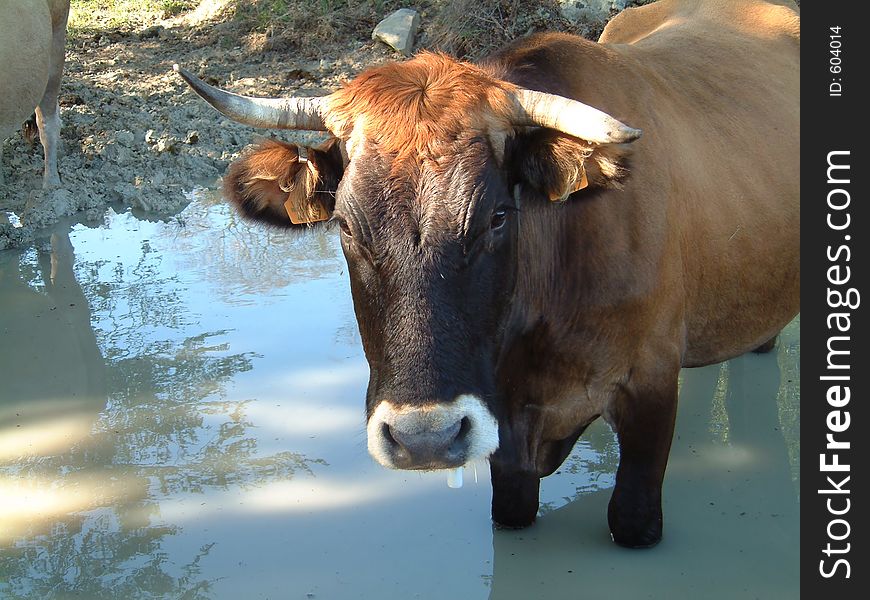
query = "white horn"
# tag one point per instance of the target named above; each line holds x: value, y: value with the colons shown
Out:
x: 271, y: 113
x: 538, y: 109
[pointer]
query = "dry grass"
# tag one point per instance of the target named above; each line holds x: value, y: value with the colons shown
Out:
x: 473, y: 28
x: 89, y: 16
x: 311, y: 28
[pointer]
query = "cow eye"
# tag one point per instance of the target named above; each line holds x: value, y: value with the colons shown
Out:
x: 345, y: 228
x: 499, y: 218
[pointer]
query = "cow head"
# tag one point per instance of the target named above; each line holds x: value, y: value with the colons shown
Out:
x: 426, y: 176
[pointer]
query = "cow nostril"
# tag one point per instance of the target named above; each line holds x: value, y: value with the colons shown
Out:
x: 387, y: 432
x: 457, y: 444
x: 436, y: 436
x: 394, y: 439
x: 424, y: 441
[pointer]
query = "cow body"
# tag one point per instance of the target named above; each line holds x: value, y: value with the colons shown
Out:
x: 32, y: 45
x: 500, y: 323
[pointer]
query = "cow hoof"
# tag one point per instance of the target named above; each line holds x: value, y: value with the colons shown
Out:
x: 645, y: 540
x: 509, y: 527
x: 513, y: 522
x: 635, y: 526
x: 633, y: 535
x: 766, y: 346
x: 512, y: 515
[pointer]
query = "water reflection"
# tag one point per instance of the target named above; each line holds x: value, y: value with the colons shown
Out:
x: 62, y: 381
x: 731, y: 503
x: 113, y: 400
x: 245, y: 262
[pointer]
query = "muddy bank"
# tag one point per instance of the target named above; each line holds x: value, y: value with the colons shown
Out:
x: 132, y: 131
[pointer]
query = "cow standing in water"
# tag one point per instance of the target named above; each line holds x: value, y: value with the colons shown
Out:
x: 522, y: 263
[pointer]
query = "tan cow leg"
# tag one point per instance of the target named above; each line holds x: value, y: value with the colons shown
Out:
x: 48, y: 111
x: 49, y: 134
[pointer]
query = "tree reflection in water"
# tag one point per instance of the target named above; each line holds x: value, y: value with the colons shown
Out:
x: 158, y: 423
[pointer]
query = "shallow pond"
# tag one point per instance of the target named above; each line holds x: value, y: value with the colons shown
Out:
x: 181, y: 416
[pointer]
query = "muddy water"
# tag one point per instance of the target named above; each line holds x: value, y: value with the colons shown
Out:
x: 181, y: 416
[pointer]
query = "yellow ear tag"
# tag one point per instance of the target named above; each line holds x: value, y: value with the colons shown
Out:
x: 584, y: 182
x: 581, y: 183
x: 312, y: 211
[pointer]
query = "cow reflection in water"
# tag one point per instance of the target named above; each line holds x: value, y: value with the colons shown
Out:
x: 51, y: 367
x: 730, y: 482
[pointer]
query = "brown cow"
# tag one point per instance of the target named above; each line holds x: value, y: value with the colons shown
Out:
x: 519, y: 267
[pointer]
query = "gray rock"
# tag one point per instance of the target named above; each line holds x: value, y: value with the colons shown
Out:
x: 111, y: 152
x: 398, y: 30
x: 167, y: 144
x: 228, y: 138
x: 125, y: 138
x: 590, y: 10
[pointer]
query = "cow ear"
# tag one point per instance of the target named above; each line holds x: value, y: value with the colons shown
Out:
x: 557, y: 165
x: 284, y: 184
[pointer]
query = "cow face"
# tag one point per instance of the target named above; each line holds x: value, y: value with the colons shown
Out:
x: 422, y: 183
x: 431, y: 247
x: 430, y: 251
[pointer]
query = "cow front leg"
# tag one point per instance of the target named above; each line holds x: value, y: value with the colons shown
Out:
x: 644, y: 425
x: 514, y: 496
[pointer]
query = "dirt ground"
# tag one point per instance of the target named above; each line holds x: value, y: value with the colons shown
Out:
x: 134, y: 133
